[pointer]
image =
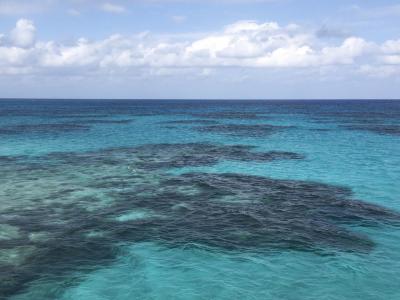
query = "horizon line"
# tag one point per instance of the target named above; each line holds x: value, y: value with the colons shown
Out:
x: 202, y: 99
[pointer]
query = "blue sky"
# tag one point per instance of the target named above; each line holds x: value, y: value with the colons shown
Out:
x: 200, y: 49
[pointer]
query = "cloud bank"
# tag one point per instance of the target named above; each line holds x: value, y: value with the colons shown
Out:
x: 244, y: 44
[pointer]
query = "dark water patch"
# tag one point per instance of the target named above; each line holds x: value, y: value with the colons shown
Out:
x: 223, y: 211
x: 8, y: 159
x: 89, y: 108
x: 259, y: 130
x: 230, y: 115
x: 320, y: 129
x: 100, y: 121
x: 198, y: 154
x: 358, y: 118
x: 363, y: 115
x: 42, y: 128
x: 273, y: 214
x: 189, y: 122
x: 164, y: 156
x: 393, y: 130
x: 82, y: 116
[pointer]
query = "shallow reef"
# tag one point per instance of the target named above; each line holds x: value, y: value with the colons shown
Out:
x: 189, y: 122
x: 384, y: 129
x: 384, y: 123
x: 67, y: 212
x: 230, y: 115
x: 55, y: 128
x: 103, y: 121
x: 42, y: 128
x: 243, y: 130
x: 201, y: 154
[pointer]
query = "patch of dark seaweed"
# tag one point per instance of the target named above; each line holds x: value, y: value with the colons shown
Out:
x: 100, y: 121
x: 259, y: 130
x: 320, y: 129
x: 7, y: 158
x: 83, y: 116
x: 382, y: 129
x: 362, y: 118
x: 224, y: 211
x: 163, y: 156
x: 280, y: 214
x: 42, y: 128
x: 364, y: 115
x: 199, y: 154
x: 230, y: 115
x: 189, y: 122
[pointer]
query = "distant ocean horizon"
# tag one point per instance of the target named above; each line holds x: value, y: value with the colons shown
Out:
x: 199, y: 199
x: 133, y: 99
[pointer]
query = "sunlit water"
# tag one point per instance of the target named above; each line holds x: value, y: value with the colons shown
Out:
x: 199, y: 200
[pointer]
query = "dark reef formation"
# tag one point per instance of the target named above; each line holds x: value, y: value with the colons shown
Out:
x: 230, y: 115
x: 200, y: 154
x: 103, y: 121
x: 190, y: 122
x: 384, y: 123
x: 383, y: 129
x: 78, y: 207
x: 55, y: 128
x: 42, y: 128
x: 243, y: 130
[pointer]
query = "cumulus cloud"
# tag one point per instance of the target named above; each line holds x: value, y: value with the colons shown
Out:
x: 391, y: 52
x: 23, y: 35
x: 244, y: 44
x: 250, y: 44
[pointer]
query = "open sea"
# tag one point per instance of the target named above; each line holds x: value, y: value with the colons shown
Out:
x: 122, y: 200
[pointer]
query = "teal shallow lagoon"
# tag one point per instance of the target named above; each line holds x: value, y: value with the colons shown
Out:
x: 101, y: 172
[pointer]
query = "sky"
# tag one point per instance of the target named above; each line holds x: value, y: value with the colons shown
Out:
x: 200, y: 49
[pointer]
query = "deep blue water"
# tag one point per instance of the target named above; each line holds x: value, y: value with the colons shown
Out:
x: 119, y: 199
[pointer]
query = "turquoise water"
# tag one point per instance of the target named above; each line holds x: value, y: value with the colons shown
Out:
x: 199, y: 200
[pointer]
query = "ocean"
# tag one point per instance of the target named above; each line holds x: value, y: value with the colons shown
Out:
x: 120, y: 199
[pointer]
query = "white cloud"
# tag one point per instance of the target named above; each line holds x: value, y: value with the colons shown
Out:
x: 13, y: 56
x: 391, y: 46
x: 23, y: 35
x: 351, y: 48
x: 245, y: 44
x: 113, y: 8
x: 390, y: 52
